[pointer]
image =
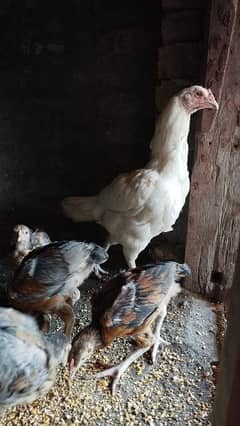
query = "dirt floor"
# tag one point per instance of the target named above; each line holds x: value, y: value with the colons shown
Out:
x: 179, y: 390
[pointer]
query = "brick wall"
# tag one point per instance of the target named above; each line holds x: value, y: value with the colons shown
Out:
x: 181, y: 63
x: 80, y: 85
x: 77, y: 83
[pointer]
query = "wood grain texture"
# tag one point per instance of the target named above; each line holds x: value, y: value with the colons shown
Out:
x: 214, y: 208
x: 227, y: 409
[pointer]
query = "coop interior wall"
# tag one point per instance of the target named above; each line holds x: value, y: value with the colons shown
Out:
x: 81, y: 84
x: 181, y: 62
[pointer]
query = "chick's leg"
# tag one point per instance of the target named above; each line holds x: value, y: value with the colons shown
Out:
x: 158, y: 339
x: 117, y: 371
x: 145, y: 342
x: 99, y: 272
x: 43, y: 321
x: 73, y: 297
x: 66, y: 314
x: 107, y: 245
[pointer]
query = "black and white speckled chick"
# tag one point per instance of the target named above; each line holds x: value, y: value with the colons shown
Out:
x: 48, y: 278
x: 28, y: 359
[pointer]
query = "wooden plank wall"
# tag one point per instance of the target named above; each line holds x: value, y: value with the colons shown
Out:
x: 227, y: 408
x: 214, y: 209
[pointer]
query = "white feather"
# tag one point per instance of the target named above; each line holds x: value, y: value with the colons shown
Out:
x: 139, y: 205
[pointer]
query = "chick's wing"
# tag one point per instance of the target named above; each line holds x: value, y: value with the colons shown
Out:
x: 42, y: 272
x: 136, y: 301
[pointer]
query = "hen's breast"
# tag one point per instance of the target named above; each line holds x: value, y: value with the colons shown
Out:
x: 166, y: 203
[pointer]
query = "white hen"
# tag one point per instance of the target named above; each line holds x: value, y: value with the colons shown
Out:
x: 139, y: 205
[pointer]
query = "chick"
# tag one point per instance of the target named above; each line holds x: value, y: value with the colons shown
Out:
x: 134, y: 303
x: 39, y: 239
x: 22, y: 242
x: 48, y: 278
x: 28, y: 359
x: 26, y: 240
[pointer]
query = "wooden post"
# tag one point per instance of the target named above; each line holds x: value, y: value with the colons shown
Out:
x: 227, y: 408
x: 214, y: 206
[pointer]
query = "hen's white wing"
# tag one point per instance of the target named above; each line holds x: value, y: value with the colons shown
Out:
x: 129, y: 192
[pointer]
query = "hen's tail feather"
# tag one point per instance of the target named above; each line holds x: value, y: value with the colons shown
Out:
x: 81, y: 209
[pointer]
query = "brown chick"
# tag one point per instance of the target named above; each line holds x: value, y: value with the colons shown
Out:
x: 48, y: 278
x: 130, y: 304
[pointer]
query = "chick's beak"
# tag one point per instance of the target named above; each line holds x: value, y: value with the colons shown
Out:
x: 184, y: 270
x: 72, y: 368
x: 67, y: 351
x: 211, y: 101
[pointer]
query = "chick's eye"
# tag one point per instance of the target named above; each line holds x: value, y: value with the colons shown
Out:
x: 198, y: 94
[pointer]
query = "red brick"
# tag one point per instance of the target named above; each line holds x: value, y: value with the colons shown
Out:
x: 182, y: 26
x: 182, y: 60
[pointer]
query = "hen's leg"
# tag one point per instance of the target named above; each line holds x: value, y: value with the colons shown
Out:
x: 131, y: 263
x: 130, y: 257
x: 66, y: 314
x: 158, y: 339
x: 132, y: 250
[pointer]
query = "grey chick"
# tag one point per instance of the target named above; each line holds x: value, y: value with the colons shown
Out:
x: 39, y: 238
x: 28, y: 359
x: 48, y: 278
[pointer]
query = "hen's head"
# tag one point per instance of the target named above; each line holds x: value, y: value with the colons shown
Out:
x: 195, y: 98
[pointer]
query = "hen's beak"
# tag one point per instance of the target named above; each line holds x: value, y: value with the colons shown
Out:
x: 211, y: 101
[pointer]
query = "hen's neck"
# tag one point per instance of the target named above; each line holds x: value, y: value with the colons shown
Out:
x: 169, y: 146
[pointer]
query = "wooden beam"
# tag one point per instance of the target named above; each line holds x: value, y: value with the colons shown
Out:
x: 214, y: 205
x: 227, y: 408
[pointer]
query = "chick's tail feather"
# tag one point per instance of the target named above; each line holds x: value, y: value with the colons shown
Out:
x: 81, y: 209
